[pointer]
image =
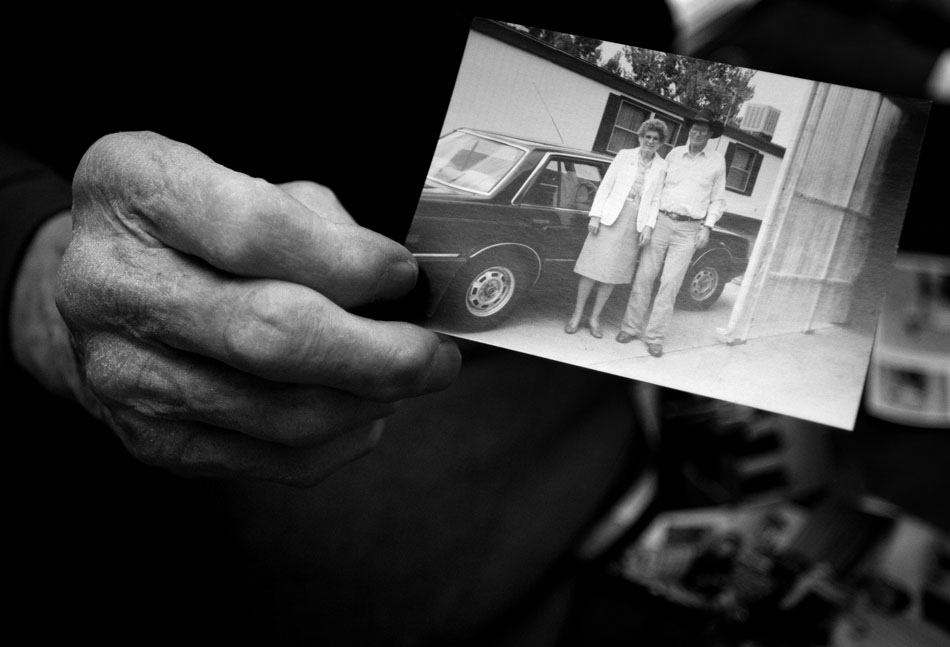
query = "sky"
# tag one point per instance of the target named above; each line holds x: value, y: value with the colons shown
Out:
x: 786, y: 93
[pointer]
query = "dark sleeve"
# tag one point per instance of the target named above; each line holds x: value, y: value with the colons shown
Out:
x: 29, y: 194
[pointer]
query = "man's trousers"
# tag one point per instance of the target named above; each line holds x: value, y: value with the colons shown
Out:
x: 670, y: 249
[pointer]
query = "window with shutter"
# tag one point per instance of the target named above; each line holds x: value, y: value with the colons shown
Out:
x: 621, y: 121
x: 742, y: 167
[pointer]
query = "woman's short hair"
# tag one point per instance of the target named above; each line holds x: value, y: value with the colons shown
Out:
x: 657, y: 126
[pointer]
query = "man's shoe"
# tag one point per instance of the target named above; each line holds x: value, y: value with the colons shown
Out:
x: 655, y: 349
x: 624, y: 337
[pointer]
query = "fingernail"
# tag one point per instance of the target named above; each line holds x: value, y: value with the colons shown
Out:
x: 399, y: 279
x: 445, y: 366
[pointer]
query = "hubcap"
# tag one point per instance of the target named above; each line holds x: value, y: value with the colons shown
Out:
x: 704, y: 284
x: 490, y: 291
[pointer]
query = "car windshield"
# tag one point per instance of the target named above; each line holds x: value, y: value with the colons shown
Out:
x: 472, y: 163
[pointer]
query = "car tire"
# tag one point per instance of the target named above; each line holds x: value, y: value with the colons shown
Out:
x: 485, y: 292
x: 702, y: 286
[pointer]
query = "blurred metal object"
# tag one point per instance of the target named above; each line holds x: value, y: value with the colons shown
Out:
x: 889, y: 46
x: 697, y: 22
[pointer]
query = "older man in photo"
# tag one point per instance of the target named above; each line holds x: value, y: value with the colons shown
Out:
x: 692, y: 200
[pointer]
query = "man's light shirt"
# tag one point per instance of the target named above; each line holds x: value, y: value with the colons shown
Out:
x: 695, y: 184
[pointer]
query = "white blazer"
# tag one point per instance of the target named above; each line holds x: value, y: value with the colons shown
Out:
x: 615, y: 187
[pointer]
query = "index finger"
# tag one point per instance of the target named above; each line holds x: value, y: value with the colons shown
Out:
x: 183, y: 199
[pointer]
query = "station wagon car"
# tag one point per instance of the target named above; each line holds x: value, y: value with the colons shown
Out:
x: 498, y: 213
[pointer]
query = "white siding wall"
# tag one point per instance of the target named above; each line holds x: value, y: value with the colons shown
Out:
x: 753, y: 206
x: 505, y: 89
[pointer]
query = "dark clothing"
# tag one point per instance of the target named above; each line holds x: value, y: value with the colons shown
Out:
x: 29, y: 193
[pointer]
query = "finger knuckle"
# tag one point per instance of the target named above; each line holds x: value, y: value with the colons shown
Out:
x: 311, y: 192
x: 102, y: 287
x: 110, y: 368
x: 233, y: 206
x: 104, y: 154
x: 260, y: 328
x: 149, y: 443
x: 80, y: 278
x: 230, y: 198
x: 128, y: 378
x: 166, y: 390
x: 156, y: 451
x: 69, y: 284
x: 109, y: 158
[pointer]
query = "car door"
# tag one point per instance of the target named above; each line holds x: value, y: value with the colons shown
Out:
x: 556, y: 201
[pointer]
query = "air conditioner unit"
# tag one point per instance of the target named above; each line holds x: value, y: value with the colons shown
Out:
x: 760, y: 119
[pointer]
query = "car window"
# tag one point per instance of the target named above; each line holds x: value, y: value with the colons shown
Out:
x: 565, y: 183
x: 473, y: 163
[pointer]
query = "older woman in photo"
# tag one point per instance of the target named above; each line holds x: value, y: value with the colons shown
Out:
x: 622, y: 218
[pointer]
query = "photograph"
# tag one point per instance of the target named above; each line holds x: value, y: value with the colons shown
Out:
x: 909, y: 378
x: 697, y: 225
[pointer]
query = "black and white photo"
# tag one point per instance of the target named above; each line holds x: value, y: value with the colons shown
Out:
x: 753, y: 271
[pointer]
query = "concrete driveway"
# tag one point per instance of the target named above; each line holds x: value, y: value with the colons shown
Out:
x: 817, y: 376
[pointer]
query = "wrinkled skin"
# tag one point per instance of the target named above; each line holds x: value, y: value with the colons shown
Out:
x: 208, y: 316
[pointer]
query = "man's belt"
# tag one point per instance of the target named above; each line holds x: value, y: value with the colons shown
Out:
x: 678, y: 217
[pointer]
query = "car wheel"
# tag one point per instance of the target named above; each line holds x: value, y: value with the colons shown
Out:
x: 485, y: 292
x: 701, y: 287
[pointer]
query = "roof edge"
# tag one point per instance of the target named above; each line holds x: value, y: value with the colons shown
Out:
x: 522, y: 40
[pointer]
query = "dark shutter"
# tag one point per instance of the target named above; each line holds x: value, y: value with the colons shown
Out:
x: 754, y: 173
x: 730, y: 152
x: 607, y: 123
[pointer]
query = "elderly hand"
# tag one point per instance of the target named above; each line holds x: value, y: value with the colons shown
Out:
x: 208, y: 315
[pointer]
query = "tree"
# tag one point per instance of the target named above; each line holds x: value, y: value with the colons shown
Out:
x: 584, y: 48
x: 614, y: 66
x: 693, y: 82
